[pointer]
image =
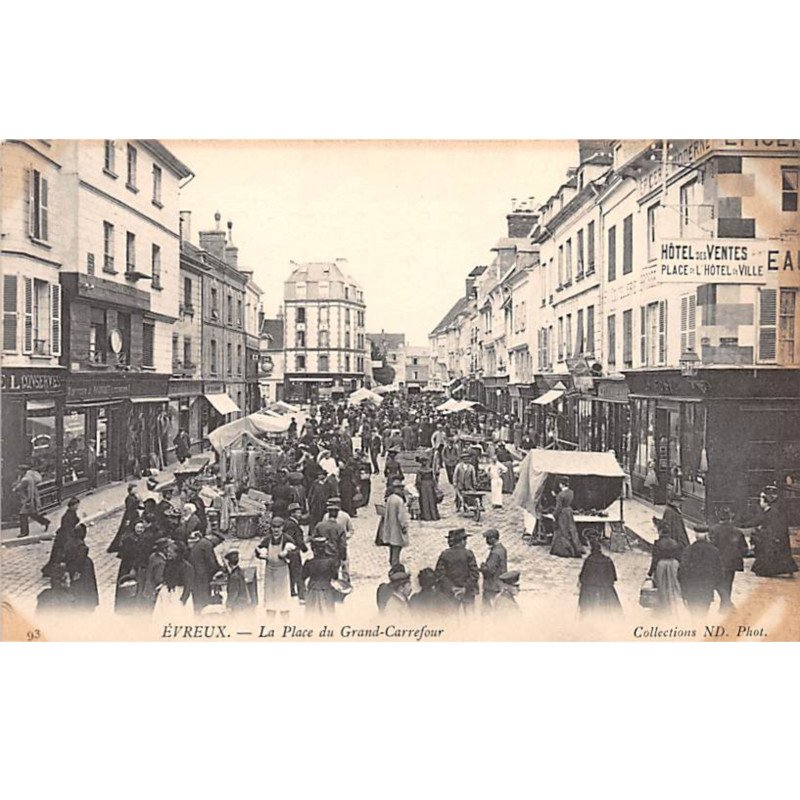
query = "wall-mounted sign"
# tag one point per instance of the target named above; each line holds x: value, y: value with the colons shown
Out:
x: 115, y: 340
x: 756, y: 261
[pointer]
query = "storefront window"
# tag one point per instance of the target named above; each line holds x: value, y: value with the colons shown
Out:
x: 40, y: 435
x: 76, y: 453
x: 693, y: 459
x: 646, y: 435
x: 101, y: 441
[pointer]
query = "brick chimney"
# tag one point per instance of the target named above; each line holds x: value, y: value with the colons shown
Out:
x: 231, y: 252
x: 522, y: 218
x: 214, y: 241
x: 470, y: 288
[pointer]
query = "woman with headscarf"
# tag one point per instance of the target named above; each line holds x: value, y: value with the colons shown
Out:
x: 427, y: 488
x: 597, y: 578
x: 68, y: 522
x: 174, y: 595
x: 133, y: 555
x: 83, y: 583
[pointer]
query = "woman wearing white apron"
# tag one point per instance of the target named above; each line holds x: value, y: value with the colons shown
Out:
x: 274, y: 552
x: 496, y: 470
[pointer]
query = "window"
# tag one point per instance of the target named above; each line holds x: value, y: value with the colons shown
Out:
x: 214, y: 303
x: 579, y: 254
x: 230, y: 309
x: 652, y: 248
x: 157, y: 185
x: 109, y: 162
x: 560, y: 265
x: 787, y: 326
x: 568, y: 336
x: 176, y: 356
x: 627, y: 338
x: 55, y: 319
x: 187, y: 293
x: 323, y: 363
x: 38, y: 296
x: 611, y: 346
x: 627, y: 245
x: 97, y: 336
x: 568, y: 275
x: 300, y: 290
x: 347, y: 316
x: 300, y: 339
x: 550, y: 347
x: 324, y: 339
x: 346, y: 292
x: 686, y: 198
x: 612, y: 253
x: 347, y: 363
x: 790, y: 184
x: 561, y: 338
x: 214, y: 359
x: 688, y: 323
x: 643, y: 335
x: 156, y: 266
x: 767, y: 324
x: 148, y: 344
x: 324, y: 289
x: 238, y: 359
x: 229, y: 358
x: 654, y: 333
x: 239, y: 313
x: 130, y: 252
x: 38, y: 207
x: 187, y: 352
x: 108, y: 247
x: 300, y: 363
x: 324, y: 315
x: 10, y: 300
x: 301, y: 315
x: 590, y: 330
x: 662, y: 331
x: 579, y: 333
x: 590, y: 248
x: 132, y: 155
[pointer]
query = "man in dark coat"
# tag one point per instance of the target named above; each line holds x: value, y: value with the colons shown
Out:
x: 699, y: 573
x: 495, y: 565
x: 281, y: 494
x: 457, y: 572
x: 333, y: 531
x: 182, y: 445
x: 672, y: 521
x: 205, y: 565
x: 732, y: 546
x: 238, y: 598
x: 318, y: 496
x: 771, y: 539
x: 64, y: 533
x: 293, y: 531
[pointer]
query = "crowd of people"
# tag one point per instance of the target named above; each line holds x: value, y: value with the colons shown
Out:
x: 334, y: 462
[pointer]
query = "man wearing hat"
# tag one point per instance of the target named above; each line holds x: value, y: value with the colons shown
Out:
x: 334, y: 532
x: 205, y: 565
x: 392, y: 468
x: 293, y: 532
x: 672, y: 521
x: 771, y: 541
x: 396, y: 603
x: 495, y: 565
x: 27, y: 489
x: 464, y: 478
x: 129, y: 517
x: 457, y: 570
x: 393, y: 527
x: 732, y: 546
x: 699, y: 573
x: 506, y: 599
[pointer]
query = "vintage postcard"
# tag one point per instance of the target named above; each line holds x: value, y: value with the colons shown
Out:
x: 400, y: 391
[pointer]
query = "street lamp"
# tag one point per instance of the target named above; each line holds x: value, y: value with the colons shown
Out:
x: 688, y: 362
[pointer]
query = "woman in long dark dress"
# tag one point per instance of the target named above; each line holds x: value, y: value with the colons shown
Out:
x: 347, y: 487
x: 319, y: 571
x: 68, y: 522
x: 83, y: 583
x: 363, y: 477
x: 133, y: 556
x: 426, y: 486
x: 771, y: 541
x: 597, y: 579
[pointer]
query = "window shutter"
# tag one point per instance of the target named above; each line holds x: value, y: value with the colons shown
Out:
x: 662, y: 331
x: 10, y: 301
x: 684, y: 323
x: 27, y: 342
x: 31, y: 203
x: 55, y: 319
x: 767, y: 317
x: 643, y: 335
x: 43, y: 210
x: 692, y: 326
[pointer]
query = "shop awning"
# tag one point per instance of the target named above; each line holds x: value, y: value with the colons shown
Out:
x: 149, y: 399
x: 222, y: 403
x: 548, y: 397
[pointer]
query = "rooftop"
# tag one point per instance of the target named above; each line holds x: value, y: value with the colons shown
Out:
x: 316, y: 271
x: 458, y: 307
x: 273, y: 330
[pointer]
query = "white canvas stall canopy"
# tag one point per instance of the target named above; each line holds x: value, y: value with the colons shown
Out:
x: 548, y: 397
x: 595, y: 478
x: 256, y: 424
x: 449, y: 405
x: 223, y: 403
x: 392, y: 387
x: 360, y: 395
x: 280, y: 407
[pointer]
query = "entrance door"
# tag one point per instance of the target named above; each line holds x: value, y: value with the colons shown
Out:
x: 662, y: 453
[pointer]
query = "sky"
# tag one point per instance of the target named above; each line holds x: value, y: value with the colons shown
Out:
x: 411, y: 218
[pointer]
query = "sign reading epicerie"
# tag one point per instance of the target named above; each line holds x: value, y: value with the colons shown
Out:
x: 725, y: 260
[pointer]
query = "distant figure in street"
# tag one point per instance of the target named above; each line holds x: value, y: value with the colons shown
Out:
x: 464, y: 479
x: 334, y: 531
x: 507, y: 460
x: 699, y: 573
x: 129, y: 517
x: 27, y: 489
x: 392, y: 469
x: 597, y: 579
x: 506, y: 600
x: 293, y: 531
x: 57, y: 598
x: 450, y: 457
x: 566, y: 542
x: 64, y: 533
x: 496, y: 472
x: 237, y: 595
x: 318, y: 497
x: 457, y: 572
x: 182, y: 446
x: 672, y: 521
x: 496, y: 564
x: 396, y: 597
x: 82, y: 579
x: 732, y: 546
x: 205, y: 565
x: 173, y: 596
x: 426, y: 487
x: 318, y: 572
x: 154, y: 575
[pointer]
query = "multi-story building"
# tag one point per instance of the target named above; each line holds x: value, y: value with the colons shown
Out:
x: 104, y: 215
x: 252, y: 343
x: 416, y: 368
x: 325, y: 343
x: 271, y: 360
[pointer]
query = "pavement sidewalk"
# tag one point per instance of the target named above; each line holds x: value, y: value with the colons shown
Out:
x: 95, y: 505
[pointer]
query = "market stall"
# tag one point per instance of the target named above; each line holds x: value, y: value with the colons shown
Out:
x: 595, y: 478
x: 364, y: 396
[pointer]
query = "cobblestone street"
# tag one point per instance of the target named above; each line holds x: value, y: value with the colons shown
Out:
x: 546, y: 581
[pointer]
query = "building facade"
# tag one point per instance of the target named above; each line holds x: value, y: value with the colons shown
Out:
x: 271, y: 360
x: 324, y: 335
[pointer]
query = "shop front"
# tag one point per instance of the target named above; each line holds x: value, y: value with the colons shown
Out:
x: 32, y: 424
x: 715, y: 438
x: 186, y: 403
x: 217, y: 408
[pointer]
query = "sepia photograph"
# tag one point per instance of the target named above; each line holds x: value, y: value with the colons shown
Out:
x: 414, y: 391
